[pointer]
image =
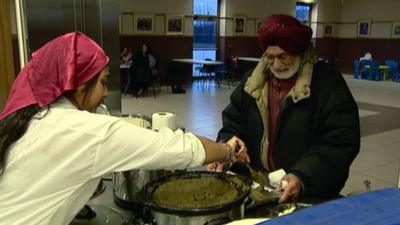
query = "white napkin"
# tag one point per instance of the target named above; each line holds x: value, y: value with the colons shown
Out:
x: 276, y: 177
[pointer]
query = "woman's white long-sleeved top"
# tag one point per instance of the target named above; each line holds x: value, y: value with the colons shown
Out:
x: 54, y: 168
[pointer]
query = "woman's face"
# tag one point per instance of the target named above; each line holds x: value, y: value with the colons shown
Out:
x: 144, y: 48
x: 89, y: 97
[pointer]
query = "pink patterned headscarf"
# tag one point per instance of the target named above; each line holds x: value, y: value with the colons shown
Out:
x: 63, y: 64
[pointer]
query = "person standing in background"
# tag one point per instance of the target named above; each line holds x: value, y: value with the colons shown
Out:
x: 126, y: 56
x: 143, y: 70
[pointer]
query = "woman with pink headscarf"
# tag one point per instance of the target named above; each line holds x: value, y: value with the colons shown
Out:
x: 54, y: 150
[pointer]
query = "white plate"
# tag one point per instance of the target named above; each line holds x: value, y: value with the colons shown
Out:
x: 249, y: 221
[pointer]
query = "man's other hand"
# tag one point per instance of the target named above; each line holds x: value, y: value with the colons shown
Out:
x: 290, y: 187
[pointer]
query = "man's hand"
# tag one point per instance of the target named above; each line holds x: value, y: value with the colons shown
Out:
x: 240, y: 149
x: 290, y: 187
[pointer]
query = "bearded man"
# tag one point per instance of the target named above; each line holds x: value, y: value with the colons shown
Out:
x: 295, y: 114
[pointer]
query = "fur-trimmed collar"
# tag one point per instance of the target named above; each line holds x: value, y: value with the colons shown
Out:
x: 301, y: 90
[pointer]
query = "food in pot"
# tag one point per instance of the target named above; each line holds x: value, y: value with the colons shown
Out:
x: 194, y: 193
x: 287, y: 211
x: 286, y: 208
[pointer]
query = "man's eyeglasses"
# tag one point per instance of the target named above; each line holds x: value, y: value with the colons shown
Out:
x: 283, y: 58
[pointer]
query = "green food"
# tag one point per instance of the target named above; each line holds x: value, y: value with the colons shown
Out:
x: 194, y: 193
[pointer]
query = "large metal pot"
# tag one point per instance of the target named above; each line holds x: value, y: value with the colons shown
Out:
x: 127, y: 184
x: 229, y: 210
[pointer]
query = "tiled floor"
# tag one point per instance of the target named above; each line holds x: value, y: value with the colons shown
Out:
x: 199, y: 111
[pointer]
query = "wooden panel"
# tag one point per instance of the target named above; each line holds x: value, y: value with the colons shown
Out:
x: 6, y: 54
x: 345, y: 50
x: 348, y: 49
x: 327, y: 47
x: 241, y: 46
x: 381, y: 49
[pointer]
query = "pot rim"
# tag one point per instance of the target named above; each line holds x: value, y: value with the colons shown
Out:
x: 149, y: 189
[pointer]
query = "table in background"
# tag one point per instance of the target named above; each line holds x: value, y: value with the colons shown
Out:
x: 385, y: 71
x: 211, y: 63
x: 125, y: 65
x: 247, y: 64
x: 383, y: 68
x: 249, y: 59
x: 201, y: 62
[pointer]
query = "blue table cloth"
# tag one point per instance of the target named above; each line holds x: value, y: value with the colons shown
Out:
x: 378, y: 207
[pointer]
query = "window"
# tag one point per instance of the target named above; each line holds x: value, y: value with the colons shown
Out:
x: 205, y: 7
x: 204, y: 34
x: 204, y: 30
x: 303, y: 13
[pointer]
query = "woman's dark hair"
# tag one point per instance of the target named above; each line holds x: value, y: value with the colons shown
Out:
x: 12, y: 128
x: 88, y: 89
x: 150, y: 52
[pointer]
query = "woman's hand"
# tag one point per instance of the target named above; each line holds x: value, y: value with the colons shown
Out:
x: 238, y: 153
x: 216, y: 166
x: 221, y: 165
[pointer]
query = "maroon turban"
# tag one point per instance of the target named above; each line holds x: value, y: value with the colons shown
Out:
x: 286, y: 32
x: 63, y: 64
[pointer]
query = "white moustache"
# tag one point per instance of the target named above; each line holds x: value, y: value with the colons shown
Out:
x: 289, y: 72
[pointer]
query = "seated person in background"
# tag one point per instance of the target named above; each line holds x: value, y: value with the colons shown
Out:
x: 126, y: 56
x: 294, y: 114
x: 367, y: 56
x: 143, y: 70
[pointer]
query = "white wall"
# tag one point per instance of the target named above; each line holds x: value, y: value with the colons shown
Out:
x: 328, y: 12
x: 343, y: 14
x: 222, y: 25
x: 381, y: 13
x: 256, y: 9
x: 260, y: 8
x: 253, y: 11
x: 346, y: 14
x: 159, y: 9
x: 376, y: 10
x: 157, y: 6
x: 314, y: 19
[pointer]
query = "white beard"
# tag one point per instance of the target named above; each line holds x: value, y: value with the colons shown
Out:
x: 289, y: 72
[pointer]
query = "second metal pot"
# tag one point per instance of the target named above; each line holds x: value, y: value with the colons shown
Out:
x: 127, y: 184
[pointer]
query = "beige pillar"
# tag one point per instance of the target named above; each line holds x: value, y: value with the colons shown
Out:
x: 6, y: 53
